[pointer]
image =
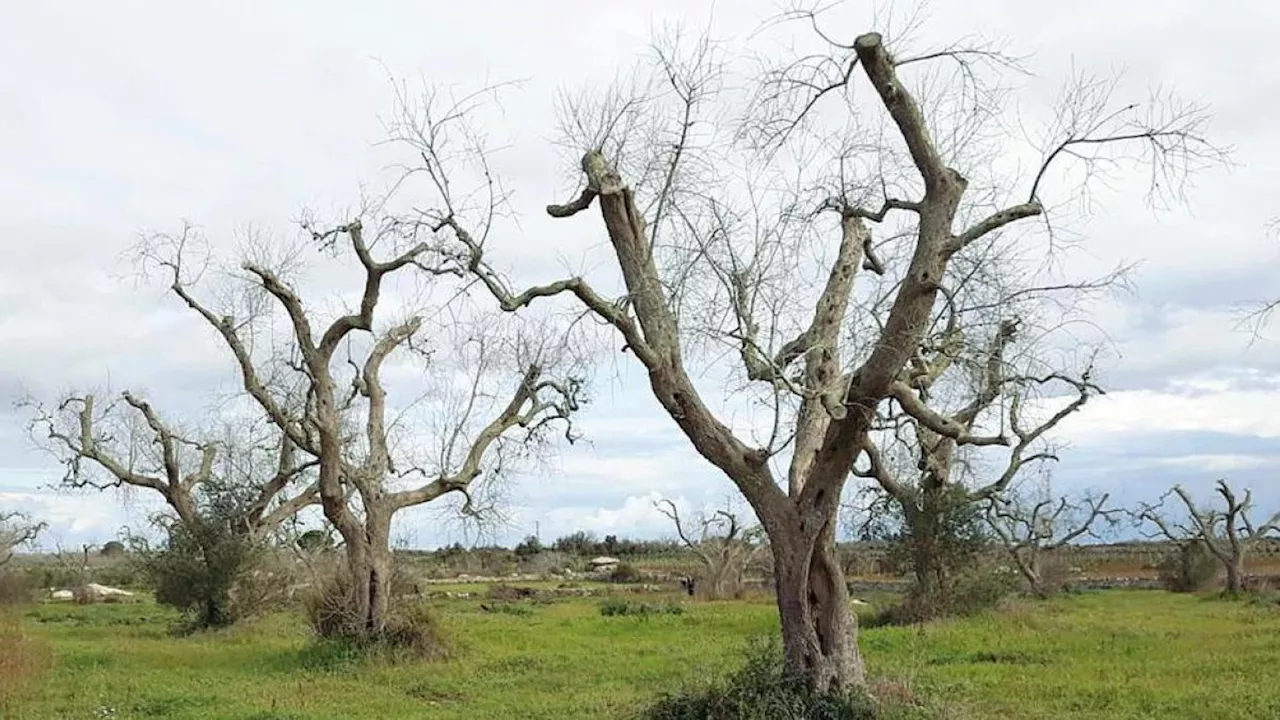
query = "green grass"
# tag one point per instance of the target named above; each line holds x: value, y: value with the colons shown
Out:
x: 1103, y: 655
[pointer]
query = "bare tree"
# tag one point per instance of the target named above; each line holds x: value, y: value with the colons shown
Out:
x: 1028, y: 531
x: 713, y: 224
x: 16, y: 529
x: 929, y: 474
x: 722, y: 543
x: 347, y: 427
x: 127, y: 442
x: 1228, y: 532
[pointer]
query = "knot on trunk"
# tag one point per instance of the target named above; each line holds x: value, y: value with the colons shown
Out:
x: 602, y: 176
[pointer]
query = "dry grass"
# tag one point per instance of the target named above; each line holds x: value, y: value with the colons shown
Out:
x: 23, y: 660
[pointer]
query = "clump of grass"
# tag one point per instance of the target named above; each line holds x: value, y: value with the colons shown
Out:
x: 761, y: 690
x: 410, y: 631
x: 508, y: 609
x: 615, y: 607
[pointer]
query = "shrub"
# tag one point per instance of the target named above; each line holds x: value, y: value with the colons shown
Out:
x: 1191, y: 569
x: 968, y: 594
x: 615, y: 607
x: 508, y: 593
x: 759, y: 691
x: 121, y: 575
x: 626, y: 573
x: 314, y: 541
x: 410, y: 630
x: 196, y: 569
x: 14, y: 588
x: 507, y: 608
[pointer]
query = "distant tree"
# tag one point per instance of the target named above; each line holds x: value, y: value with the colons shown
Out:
x: 127, y: 441
x: 16, y: 530
x: 1028, y: 530
x: 578, y: 543
x: 113, y: 548
x: 529, y: 547
x: 610, y: 545
x: 722, y: 542
x: 197, y: 566
x: 1228, y: 533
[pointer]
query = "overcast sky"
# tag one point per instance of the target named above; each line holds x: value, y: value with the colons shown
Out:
x: 128, y: 116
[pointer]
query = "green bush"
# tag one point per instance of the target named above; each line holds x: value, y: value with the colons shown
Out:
x: 314, y: 541
x: 195, y: 570
x: 759, y: 691
x: 1191, y: 569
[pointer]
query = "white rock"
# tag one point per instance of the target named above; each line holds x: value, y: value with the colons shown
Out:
x: 104, y: 591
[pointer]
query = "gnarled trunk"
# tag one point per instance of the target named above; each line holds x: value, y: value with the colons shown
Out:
x: 369, y: 569
x: 819, y: 632
x: 1235, y: 573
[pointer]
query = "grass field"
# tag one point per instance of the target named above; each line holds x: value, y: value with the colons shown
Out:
x: 1110, y: 654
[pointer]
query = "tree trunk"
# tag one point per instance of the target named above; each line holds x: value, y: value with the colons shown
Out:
x: 1235, y: 573
x: 927, y: 563
x: 819, y: 632
x: 369, y: 564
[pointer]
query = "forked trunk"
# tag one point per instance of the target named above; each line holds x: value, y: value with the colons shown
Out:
x: 369, y: 562
x: 819, y: 632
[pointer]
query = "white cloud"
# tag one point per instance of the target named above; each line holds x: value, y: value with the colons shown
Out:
x: 1213, y: 463
x: 1148, y: 412
x: 636, y: 516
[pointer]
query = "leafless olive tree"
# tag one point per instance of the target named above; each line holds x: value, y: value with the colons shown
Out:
x: 934, y: 476
x: 1028, y: 530
x: 1228, y: 532
x: 16, y: 529
x: 723, y: 544
x: 259, y: 476
x: 739, y: 224
x: 369, y: 463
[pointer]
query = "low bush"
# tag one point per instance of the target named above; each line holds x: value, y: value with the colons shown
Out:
x: 507, y: 593
x: 1191, y: 568
x: 626, y: 573
x: 410, y: 632
x: 15, y: 588
x: 759, y: 691
x: 969, y: 594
